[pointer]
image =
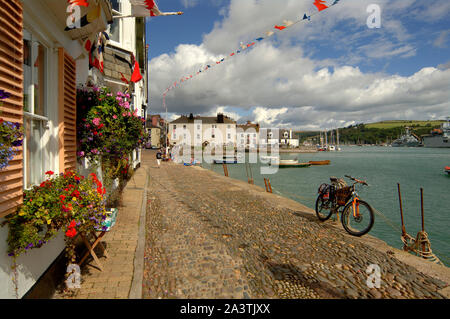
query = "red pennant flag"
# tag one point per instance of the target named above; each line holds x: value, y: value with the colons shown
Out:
x: 123, y: 78
x: 249, y: 45
x: 232, y: 54
x: 280, y: 27
x: 320, y: 4
x: 83, y: 3
x: 136, y: 76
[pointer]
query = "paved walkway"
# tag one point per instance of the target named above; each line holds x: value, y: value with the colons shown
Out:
x: 209, y: 236
x: 116, y: 279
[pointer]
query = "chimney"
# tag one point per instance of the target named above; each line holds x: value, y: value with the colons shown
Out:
x: 220, y: 118
x: 191, y: 116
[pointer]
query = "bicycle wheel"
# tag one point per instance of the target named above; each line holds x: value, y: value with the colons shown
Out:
x: 360, y: 222
x: 323, y: 208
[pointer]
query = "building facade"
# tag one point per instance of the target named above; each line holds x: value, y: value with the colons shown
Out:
x: 197, y: 131
x: 247, y: 135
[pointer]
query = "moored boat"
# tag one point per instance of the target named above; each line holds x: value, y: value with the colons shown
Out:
x: 326, y: 162
x: 447, y: 169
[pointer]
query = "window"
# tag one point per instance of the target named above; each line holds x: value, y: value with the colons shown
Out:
x: 174, y: 126
x: 184, y: 126
x: 198, y: 127
x: 35, y: 108
x: 213, y: 136
x: 229, y: 136
x: 198, y: 136
x: 114, y: 28
x: 228, y: 126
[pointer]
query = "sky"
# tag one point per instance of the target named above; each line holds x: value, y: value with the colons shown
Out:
x: 332, y: 71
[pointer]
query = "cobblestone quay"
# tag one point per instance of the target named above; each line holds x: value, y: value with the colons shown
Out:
x: 209, y: 236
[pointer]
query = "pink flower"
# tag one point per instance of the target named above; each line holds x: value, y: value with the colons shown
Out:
x: 126, y: 105
x: 124, y: 114
x: 96, y: 121
x: 129, y: 113
x: 114, y: 116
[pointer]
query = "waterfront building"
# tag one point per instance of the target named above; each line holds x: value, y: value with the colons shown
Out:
x: 280, y: 137
x: 219, y: 130
x: 247, y: 135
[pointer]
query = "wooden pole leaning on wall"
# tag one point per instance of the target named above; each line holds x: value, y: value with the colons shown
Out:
x: 265, y: 183
x: 401, y: 209
x: 423, y: 219
x: 225, y: 170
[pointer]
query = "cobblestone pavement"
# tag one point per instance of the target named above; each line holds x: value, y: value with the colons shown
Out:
x: 212, y: 237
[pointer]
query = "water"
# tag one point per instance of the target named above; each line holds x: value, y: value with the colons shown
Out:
x: 382, y: 168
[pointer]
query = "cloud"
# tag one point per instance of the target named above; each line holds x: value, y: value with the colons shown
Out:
x: 189, y: 3
x: 285, y: 82
x: 441, y: 41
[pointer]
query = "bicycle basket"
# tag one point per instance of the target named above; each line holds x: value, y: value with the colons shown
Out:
x: 343, y: 194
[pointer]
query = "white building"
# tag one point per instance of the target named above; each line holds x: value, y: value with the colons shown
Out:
x: 247, y: 135
x: 281, y: 137
x: 197, y: 131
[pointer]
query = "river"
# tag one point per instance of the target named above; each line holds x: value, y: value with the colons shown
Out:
x: 382, y: 168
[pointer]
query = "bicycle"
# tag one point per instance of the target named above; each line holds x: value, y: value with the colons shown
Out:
x: 357, y: 216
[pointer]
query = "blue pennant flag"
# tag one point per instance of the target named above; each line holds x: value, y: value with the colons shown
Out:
x: 305, y: 17
x: 259, y: 39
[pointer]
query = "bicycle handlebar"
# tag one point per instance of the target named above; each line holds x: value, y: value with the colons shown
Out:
x: 357, y: 180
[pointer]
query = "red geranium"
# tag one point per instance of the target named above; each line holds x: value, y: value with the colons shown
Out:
x: 49, y: 173
x: 71, y: 232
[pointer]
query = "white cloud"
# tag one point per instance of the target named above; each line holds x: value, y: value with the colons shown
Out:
x: 277, y: 83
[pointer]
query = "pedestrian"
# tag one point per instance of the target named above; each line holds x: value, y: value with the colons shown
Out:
x: 158, y: 158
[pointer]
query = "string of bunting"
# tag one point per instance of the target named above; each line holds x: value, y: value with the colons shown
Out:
x: 319, y: 4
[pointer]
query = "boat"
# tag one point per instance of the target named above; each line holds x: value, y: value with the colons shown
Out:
x: 227, y: 160
x: 438, y: 138
x: 289, y: 163
x: 447, y: 169
x: 406, y: 140
x: 286, y: 165
x: 326, y: 162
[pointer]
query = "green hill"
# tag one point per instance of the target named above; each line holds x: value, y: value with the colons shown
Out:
x: 375, y: 133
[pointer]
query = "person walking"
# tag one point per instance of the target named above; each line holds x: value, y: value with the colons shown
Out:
x: 158, y: 158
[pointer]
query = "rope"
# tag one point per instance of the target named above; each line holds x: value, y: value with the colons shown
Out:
x: 420, y: 245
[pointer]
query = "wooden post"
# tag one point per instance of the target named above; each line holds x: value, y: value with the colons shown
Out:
x: 265, y: 183
x: 270, y: 187
x: 423, y: 219
x: 225, y: 170
x: 421, y: 206
x: 401, y: 209
x: 251, y: 174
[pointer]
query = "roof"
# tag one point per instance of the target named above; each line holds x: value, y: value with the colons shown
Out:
x: 205, y: 120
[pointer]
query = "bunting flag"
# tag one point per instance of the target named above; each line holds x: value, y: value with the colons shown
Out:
x: 124, y: 79
x: 136, y: 75
x: 88, y: 18
x: 320, y: 5
x: 83, y: 3
x: 146, y: 8
x: 96, y: 47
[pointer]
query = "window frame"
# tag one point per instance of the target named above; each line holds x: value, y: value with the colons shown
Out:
x: 29, y: 116
x: 120, y: 24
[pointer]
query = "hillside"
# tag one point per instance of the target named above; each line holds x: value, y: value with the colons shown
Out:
x: 375, y: 133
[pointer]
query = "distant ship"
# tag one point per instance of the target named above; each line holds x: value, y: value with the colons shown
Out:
x: 438, y: 138
x: 407, y: 140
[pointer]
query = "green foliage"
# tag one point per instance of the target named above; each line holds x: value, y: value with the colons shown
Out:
x: 66, y: 202
x: 108, y: 131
